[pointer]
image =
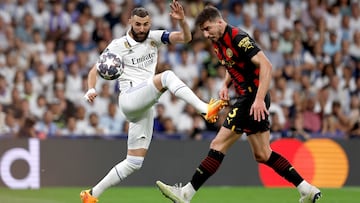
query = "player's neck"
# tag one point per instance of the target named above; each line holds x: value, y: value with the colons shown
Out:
x: 223, y: 26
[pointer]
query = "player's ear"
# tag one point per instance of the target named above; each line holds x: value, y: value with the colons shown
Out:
x: 219, y: 21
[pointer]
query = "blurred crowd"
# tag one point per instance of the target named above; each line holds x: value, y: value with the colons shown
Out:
x: 48, y: 46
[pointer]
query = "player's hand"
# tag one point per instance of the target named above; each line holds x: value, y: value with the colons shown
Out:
x: 258, y: 110
x: 177, y: 11
x: 90, y: 95
x: 224, y: 93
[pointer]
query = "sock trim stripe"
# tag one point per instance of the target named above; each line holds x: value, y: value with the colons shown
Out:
x: 211, y: 164
x: 178, y: 89
x: 118, y: 174
x: 281, y: 164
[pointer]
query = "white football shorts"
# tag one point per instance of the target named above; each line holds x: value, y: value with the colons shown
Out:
x: 137, y: 104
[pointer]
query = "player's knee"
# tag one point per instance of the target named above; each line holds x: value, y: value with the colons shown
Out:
x: 218, y: 145
x: 166, y: 77
x: 260, y: 157
x: 167, y: 72
x: 135, y: 162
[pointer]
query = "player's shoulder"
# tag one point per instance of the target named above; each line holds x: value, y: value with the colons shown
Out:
x: 119, y: 44
x: 155, y: 34
x: 238, y: 33
x: 119, y: 41
x: 241, y: 38
x: 155, y: 37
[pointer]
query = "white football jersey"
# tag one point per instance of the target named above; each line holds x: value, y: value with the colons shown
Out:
x: 139, y: 58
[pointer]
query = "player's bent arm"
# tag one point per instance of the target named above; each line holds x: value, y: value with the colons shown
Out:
x: 177, y: 12
x: 265, y: 74
x: 224, y: 91
x: 227, y: 80
x: 92, y: 78
x: 183, y: 36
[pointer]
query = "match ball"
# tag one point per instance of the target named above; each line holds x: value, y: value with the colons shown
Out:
x: 110, y: 66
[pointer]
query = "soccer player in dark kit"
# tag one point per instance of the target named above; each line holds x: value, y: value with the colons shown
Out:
x: 249, y: 70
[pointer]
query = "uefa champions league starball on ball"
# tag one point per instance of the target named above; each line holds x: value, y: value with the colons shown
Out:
x: 110, y: 66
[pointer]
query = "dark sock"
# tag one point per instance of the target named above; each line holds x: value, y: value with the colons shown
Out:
x: 207, y: 168
x: 283, y: 167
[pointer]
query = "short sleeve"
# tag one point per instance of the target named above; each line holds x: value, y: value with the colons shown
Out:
x: 245, y: 45
x: 160, y: 36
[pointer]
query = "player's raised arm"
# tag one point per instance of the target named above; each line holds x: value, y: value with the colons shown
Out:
x: 177, y: 12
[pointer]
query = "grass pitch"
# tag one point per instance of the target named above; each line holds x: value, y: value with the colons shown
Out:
x: 153, y: 195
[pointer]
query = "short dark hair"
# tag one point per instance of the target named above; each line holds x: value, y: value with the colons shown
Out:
x: 139, y: 11
x: 209, y: 13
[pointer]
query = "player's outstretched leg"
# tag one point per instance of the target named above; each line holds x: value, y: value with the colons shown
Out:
x: 86, y: 197
x: 176, y: 86
x: 311, y: 195
x: 174, y: 193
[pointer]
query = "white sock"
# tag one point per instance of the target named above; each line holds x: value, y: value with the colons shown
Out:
x: 182, y: 91
x: 303, y: 187
x: 117, y: 174
x: 189, y: 190
x: 112, y: 178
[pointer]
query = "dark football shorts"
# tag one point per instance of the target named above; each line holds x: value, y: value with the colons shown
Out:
x: 239, y: 119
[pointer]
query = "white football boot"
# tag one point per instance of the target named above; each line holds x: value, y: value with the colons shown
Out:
x: 311, y: 196
x: 174, y: 193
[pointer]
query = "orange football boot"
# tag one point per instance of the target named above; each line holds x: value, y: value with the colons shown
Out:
x: 214, y: 107
x: 86, y: 197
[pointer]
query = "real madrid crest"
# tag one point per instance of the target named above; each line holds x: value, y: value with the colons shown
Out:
x: 127, y: 45
x: 153, y: 43
x: 229, y: 52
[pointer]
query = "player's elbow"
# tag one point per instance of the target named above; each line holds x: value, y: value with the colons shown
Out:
x: 187, y: 37
x: 190, y: 38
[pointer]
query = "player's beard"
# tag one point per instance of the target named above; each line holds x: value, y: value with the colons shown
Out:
x: 139, y: 37
x: 217, y: 36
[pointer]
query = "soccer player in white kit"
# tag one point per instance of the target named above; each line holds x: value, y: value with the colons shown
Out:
x: 140, y: 89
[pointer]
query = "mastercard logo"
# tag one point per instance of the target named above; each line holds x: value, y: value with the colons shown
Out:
x: 322, y: 162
